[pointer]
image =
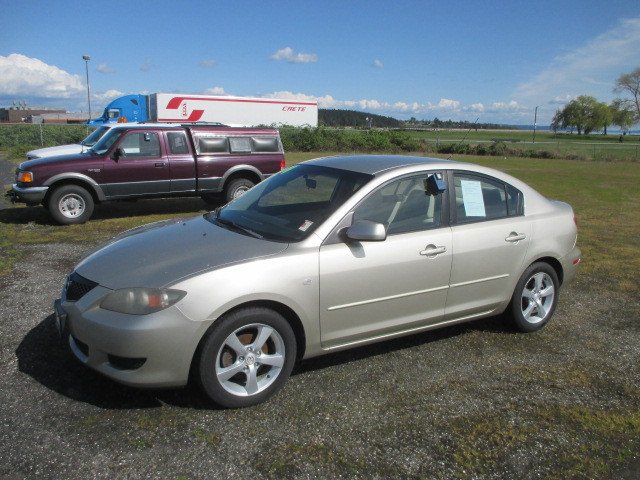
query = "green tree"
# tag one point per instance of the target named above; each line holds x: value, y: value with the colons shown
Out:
x: 581, y: 113
x: 630, y: 83
x: 622, y: 114
x: 603, y: 117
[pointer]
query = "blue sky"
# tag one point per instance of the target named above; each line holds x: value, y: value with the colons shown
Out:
x: 451, y: 60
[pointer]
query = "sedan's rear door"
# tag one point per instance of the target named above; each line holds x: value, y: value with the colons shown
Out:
x: 490, y: 238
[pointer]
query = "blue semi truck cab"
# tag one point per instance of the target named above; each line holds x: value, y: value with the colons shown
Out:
x: 132, y: 107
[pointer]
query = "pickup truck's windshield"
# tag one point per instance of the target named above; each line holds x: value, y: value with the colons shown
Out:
x: 290, y: 205
x: 104, y: 144
x: 94, y: 136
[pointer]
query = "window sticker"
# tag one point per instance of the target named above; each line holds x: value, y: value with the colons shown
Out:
x: 472, y: 198
x: 305, y: 226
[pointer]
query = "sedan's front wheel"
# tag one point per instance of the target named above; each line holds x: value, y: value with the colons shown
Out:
x: 247, y: 357
x: 535, y: 297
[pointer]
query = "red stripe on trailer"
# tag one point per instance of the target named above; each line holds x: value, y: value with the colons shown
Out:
x: 175, y: 102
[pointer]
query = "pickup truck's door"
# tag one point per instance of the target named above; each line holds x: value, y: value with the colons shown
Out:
x: 141, y: 169
x: 181, y: 162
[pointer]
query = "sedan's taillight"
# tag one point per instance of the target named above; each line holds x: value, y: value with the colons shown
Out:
x: 282, y: 164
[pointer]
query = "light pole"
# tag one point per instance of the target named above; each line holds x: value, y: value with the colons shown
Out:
x: 86, y: 59
x: 535, y: 121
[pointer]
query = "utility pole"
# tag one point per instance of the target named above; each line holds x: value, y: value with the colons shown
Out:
x: 86, y: 59
x: 535, y: 121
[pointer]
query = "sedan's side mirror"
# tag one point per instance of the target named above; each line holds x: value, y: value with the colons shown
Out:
x: 367, y: 231
x: 119, y: 153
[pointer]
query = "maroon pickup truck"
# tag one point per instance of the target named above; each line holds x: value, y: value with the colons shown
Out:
x: 143, y: 161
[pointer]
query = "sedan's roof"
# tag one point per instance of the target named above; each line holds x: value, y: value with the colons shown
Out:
x: 376, y: 164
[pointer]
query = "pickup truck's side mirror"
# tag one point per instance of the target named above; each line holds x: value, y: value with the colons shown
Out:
x: 119, y: 153
x: 366, y: 231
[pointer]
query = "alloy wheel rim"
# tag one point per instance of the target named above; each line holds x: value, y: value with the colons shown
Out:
x: 250, y: 360
x: 537, y: 298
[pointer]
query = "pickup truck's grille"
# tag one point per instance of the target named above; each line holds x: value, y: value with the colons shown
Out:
x: 78, y: 287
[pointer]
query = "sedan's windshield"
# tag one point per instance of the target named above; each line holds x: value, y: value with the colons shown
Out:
x: 94, y: 136
x: 104, y: 144
x: 290, y: 205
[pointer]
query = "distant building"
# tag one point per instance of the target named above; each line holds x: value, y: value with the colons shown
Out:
x: 19, y: 112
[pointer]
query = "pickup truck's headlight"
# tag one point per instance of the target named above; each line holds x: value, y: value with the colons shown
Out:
x: 141, y: 301
x: 25, y: 177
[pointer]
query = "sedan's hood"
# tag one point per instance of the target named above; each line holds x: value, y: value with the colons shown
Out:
x: 160, y: 254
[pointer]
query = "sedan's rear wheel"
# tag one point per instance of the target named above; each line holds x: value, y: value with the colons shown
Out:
x: 535, y: 297
x: 247, y: 357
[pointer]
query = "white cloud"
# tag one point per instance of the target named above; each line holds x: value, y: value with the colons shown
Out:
x: 377, y: 64
x: 588, y: 69
x: 476, y: 107
x: 447, y: 104
x: 215, y: 91
x: 290, y: 56
x: 106, y: 97
x: 105, y: 68
x: 512, y: 105
x: 206, y: 63
x: 25, y: 76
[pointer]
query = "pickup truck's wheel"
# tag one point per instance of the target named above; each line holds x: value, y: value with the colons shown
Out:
x: 535, y: 297
x: 70, y: 204
x: 247, y: 357
x: 236, y: 188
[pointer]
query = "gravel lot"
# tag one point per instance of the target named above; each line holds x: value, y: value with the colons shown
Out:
x: 471, y: 401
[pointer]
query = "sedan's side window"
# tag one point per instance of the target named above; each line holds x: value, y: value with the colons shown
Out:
x: 479, y: 198
x: 404, y: 205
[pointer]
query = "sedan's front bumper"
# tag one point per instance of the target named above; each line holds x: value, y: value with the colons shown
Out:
x: 29, y: 195
x: 140, y: 350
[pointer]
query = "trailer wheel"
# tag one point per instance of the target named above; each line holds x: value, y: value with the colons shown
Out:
x: 70, y: 204
x: 236, y: 188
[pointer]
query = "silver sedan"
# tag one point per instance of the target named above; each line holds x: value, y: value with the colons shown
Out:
x: 329, y: 254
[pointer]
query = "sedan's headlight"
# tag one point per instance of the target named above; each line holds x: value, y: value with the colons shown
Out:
x: 141, y: 301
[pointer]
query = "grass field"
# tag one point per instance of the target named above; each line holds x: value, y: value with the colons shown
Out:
x: 562, y: 145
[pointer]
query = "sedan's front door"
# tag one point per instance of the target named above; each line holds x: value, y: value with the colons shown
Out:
x: 370, y: 289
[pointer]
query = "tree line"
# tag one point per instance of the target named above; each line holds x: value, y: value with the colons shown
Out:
x: 586, y: 114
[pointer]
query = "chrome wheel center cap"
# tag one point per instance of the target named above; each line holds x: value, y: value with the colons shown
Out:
x: 250, y: 359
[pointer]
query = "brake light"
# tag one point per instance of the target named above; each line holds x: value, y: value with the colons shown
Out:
x: 25, y: 177
x: 282, y: 164
x: 575, y: 220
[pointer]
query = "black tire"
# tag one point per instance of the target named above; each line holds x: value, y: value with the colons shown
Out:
x: 70, y: 204
x: 237, y: 187
x: 535, y: 297
x: 241, y: 377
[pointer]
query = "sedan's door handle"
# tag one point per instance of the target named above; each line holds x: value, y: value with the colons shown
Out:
x: 515, y: 237
x: 431, y: 250
x: 160, y: 164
